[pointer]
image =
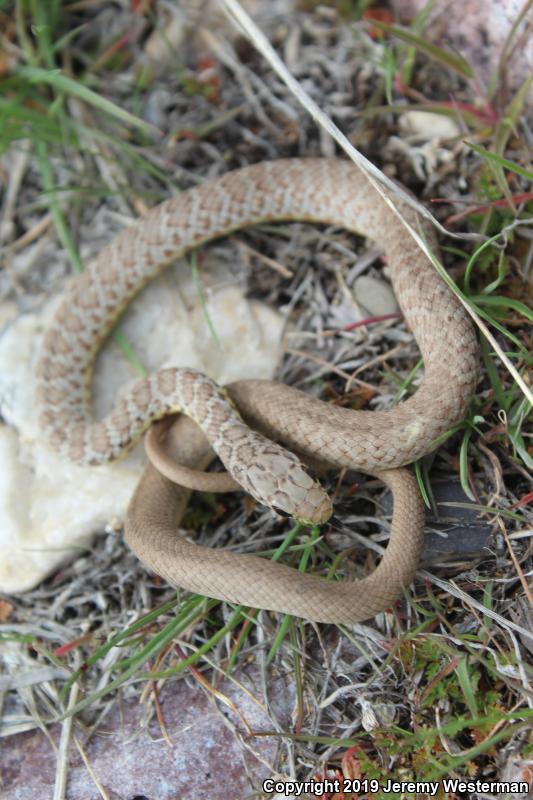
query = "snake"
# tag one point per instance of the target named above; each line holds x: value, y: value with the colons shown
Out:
x: 264, y: 433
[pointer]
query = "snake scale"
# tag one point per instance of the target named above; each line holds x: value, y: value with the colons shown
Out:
x: 313, y: 190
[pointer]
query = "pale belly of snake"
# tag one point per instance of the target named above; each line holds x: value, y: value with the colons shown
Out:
x: 316, y: 190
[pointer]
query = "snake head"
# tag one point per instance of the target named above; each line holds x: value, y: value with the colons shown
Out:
x: 278, y: 479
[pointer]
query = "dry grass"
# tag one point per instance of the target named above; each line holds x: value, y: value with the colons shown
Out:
x: 441, y: 685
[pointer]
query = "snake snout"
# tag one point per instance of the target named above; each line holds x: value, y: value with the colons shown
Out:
x: 316, y: 508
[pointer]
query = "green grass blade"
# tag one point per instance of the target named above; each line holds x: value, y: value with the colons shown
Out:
x: 116, y: 640
x: 463, y: 465
x: 195, y: 272
x: 421, y: 483
x: 498, y: 512
x: 500, y: 161
x: 490, y: 287
x: 495, y: 301
x: 61, y: 226
x: 465, y: 682
x: 62, y: 83
x: 287, y: 619
x: 453, y: 61
x: 233, y: 621
x: 502, y: 397
x: 474, y: 257
x: 286, y: 543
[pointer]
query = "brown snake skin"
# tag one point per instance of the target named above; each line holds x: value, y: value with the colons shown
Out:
x: 319, y: 190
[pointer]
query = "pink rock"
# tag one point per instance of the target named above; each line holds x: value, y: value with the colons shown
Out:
x: 478, y: 29
x: 204, y: 759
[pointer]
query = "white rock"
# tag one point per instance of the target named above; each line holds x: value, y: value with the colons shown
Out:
x: 423, y: 126
x: 49, y: 508
x: 374, y: 296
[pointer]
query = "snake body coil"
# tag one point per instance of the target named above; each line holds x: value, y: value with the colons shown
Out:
x: 323, y: 191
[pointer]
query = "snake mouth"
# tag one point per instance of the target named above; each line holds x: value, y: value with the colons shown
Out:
x: 281, y: 513
x: 319, y: 520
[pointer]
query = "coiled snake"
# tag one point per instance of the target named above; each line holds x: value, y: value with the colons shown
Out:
x: 315, y: 190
